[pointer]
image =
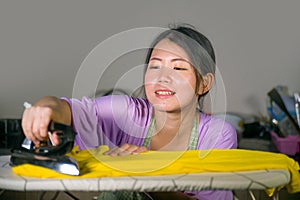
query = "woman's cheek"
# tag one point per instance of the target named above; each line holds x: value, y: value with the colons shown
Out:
x: 149, y: 80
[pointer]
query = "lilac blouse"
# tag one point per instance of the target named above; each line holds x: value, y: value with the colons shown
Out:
x: 118, y: 119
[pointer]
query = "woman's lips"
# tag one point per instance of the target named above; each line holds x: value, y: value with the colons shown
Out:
x: 164, y: 93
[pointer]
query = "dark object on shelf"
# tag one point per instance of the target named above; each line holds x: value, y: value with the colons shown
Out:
x: 255, y: 130
x: 11, y: 134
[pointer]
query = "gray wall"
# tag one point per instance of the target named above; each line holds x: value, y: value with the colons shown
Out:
x: 43, y: 44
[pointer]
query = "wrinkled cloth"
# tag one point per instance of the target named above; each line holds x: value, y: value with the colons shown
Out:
x: 152, y: 163
x: 118, y: 119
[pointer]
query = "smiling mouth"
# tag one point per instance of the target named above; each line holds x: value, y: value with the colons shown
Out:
x: 164, y: 92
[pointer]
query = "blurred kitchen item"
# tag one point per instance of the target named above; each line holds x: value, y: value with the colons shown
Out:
x: 289, y: 145
x: 11, y: 134
x: 287, y: 123
x: 297, y: 107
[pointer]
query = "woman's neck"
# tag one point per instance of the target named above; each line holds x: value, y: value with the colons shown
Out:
x: 174, y: 121
x: 172, y: 130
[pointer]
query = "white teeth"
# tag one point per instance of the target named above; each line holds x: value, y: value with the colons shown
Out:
x: 164, y: 92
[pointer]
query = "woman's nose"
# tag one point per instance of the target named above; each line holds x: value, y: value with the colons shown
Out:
x: 165, y: 75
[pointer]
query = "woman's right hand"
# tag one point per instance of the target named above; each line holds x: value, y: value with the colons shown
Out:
x: 36, y: 119
x: 35, y: 123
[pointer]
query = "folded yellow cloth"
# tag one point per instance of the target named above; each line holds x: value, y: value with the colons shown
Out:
x: 93, y: 164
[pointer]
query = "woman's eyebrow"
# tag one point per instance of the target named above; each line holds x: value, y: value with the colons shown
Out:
x: 181, y: 59
x: 155, y: 58
x: 172, y: 60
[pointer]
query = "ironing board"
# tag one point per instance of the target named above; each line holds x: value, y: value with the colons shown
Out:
x: 245, y: 180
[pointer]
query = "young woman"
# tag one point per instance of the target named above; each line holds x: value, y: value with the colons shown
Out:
x: 180, y: 67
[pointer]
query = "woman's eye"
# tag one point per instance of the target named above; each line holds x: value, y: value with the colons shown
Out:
x: 180, y: 68
x: 154, y: 67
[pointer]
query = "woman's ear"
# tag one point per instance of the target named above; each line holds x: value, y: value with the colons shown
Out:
x: 206, y: 83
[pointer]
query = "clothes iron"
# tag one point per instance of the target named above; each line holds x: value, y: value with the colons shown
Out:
x: 47, y: 154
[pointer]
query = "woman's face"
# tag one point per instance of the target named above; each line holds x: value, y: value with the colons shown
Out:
x: 170, y: 80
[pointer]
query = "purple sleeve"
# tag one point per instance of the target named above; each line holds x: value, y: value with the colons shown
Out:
x: 215, y: 133
x: 110, y: 120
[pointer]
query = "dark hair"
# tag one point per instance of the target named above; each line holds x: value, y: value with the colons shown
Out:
x: 196, y: 45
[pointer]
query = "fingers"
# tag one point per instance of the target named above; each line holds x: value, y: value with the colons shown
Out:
x: 125, y: 149
x: 35, y: 121
x: 54, y: 139
x: 140, y: 150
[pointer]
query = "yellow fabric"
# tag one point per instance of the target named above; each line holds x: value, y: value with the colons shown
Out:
x: 93, y: 164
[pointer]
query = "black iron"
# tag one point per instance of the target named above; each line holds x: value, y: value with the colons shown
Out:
x: 47, y: 154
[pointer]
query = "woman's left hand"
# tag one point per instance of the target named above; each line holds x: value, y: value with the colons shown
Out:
x: 125, y: 149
